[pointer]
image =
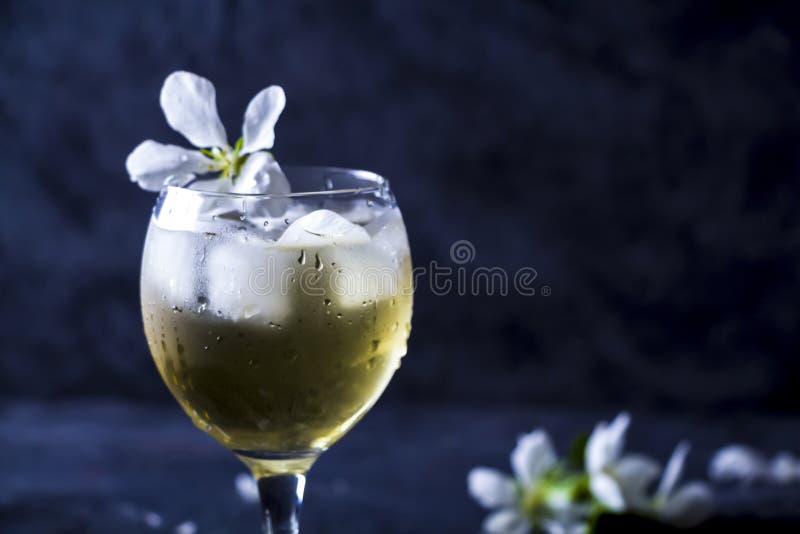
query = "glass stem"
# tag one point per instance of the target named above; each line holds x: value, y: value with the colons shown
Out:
x: 281, y: 497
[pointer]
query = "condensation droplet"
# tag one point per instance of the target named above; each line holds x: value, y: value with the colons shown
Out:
x: 327, y: 302
x: 302, y: 259
x: 202, y: 303
x: 318, y: 265
x: 180, y: 348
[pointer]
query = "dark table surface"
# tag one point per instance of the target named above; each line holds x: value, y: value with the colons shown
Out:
x: 102, y: 466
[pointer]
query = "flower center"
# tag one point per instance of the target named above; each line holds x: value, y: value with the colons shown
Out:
x: 227, y: 160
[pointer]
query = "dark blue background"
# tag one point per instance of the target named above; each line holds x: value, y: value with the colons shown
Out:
x: 642, y: 156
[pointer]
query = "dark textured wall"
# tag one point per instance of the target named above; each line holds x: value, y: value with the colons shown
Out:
x: 642, y: 156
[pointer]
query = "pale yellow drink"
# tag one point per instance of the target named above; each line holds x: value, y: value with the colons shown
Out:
x: 277, y: 369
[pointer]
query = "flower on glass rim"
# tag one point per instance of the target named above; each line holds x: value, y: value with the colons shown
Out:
x: 685, y: 506
x: 190, y: 107
x: 519, y: 503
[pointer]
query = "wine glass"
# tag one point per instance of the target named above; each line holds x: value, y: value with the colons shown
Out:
x: 276, y: 345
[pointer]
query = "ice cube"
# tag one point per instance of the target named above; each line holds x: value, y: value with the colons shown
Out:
x: 244, y: 278
x: 322, y: 228
x: 372, y: 270
x: 170, y: 261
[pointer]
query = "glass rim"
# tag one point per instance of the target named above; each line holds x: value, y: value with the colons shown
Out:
x: 377, y: 184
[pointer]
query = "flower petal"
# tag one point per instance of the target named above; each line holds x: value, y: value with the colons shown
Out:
x: 151, y: 163
x: 261, y: 174
x: 491, y: 488
x: 533, y: 455
x: 606, y: 443
x: 260, y: 117
x: 506, y: 521
x: 737, y: 462
x: 690, y: 505
x: 189, y: 102
x: 552, y: 526
x: 634, y: 474
x: 673, y: 470
x: 606, y: 490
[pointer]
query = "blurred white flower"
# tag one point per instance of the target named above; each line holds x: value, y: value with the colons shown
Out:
x: 744, y: 464
x: 737, y: 462
x: 517, y: 502
x: 619, y: 482
x: 686, y: 506
x: 548, y: 496
x: 784, y: 468
x: 187, y: 527
x: 246, y: 487
x: 190, y: 107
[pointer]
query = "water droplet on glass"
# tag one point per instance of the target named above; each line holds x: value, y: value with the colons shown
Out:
x: 180, y: 348
x: 375, y: 343
x: 371, y: 364
x: 266, y: 223
x: 302, y: 259
x: 205, y: 347
x: 251, y: 363
x: 202, y: 303
x: 219, y: 339
x: 395, y: 326
x: 338, y: 315
x: 318, y: 263
x: 177, y: 309
x: 327, y: 302
x: 286, y: 220
x: 370, y: 203
x: 328, y: 183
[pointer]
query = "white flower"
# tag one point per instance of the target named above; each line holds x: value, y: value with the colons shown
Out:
x: 246, y: 487
x: 747, y: 465
x: 686, y: 506
x: 618, y: 482
x: 531, y: 459
x: 784, y: 468
x: 190, y: 107
x: 737, y: 462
